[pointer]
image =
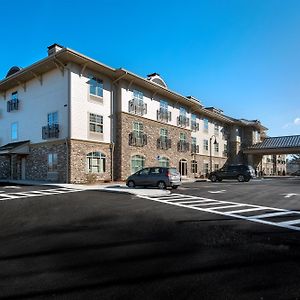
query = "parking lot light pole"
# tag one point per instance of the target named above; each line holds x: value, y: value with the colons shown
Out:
x: 210, y: 154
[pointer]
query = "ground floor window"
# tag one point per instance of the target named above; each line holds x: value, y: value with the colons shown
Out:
x: 205, y: 168
x: 194, y: 166
x: 52, y: 162
x: 95, y: 162
x: 183, y: 167
x: 137, y: 163
x: 216, y: 167
x: 164, y: 162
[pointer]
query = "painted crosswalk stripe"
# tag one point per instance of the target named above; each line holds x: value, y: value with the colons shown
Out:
x: 261, y: 213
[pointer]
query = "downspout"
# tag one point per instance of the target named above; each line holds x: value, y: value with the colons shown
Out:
x: 112, y: 135
x: 68, y: 138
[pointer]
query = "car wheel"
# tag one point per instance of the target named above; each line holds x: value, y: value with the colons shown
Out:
x: 174, y: 187
x: 247, y: 179
x: 241, y: 178
x: 213, y: 178
x: 220, y: 179
x: 131, y: 184
x: 161, y: 185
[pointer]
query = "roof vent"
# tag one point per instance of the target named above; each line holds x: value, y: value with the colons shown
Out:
x: 54, y: 48
x: 12, y: 71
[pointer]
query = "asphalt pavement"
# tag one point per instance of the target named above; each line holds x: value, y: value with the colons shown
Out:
x: 92, y: 244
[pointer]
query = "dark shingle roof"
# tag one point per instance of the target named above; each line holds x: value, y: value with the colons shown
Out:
x: 11, y: 146
x: 278, y: 142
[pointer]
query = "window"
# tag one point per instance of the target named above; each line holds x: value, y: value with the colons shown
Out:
x: 216, y: 167
x: 205, y: 168
x: 138, y: 128
x: 164, y: 105
x: 95, y: 162
x: 52, y: 118
x: 216, y: 145
x: 205, y: 145
x: 138, y: 96
x: 205, y: 124
x: 14, y: 131
x: 194, y: 141
x: 96, y: 87
x: 194, y: 166
x: 164, y: 133
x: 216, y: 129
x: 137, y: 163
x: 182, y: 137
x: 52, y: 162
x: 96, y: 123
x: 164, y: 162
x: 13, y: 103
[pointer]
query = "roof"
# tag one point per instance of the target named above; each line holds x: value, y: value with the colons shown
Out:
x: 281, y: 144
x: 17, y: 147
x: 65, y: 55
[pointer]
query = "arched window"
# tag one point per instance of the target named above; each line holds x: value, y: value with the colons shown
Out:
x: 95, y: 162
x: 137, y: 163
x: 164, y: 162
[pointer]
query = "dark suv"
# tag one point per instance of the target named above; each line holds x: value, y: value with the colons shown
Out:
x: 161, y: 177
x: 239, y: 172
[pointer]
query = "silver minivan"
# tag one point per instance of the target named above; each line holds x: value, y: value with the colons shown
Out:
x: 162, y: 177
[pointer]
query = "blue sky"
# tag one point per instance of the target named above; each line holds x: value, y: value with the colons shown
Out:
x: 241, y: 56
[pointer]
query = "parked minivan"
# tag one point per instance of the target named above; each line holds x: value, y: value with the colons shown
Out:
x: 239, y: 172
x: 161, y: 177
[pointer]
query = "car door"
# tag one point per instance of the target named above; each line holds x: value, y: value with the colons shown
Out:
x: 155, y: 176
x: 232, y: 172
x: 142, y: 177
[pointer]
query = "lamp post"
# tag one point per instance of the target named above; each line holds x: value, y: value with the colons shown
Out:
x: 210, y: 155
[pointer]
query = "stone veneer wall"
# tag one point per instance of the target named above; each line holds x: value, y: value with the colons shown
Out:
x: 4, y: 167
x: 149, y: 151
x: 37, y: 160
x: 78, y: 170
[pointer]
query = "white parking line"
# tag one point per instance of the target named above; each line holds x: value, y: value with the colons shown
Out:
x: 206, y: 203
x: 28, y: 194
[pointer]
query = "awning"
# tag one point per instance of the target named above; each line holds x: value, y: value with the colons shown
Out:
x: 15, y: 148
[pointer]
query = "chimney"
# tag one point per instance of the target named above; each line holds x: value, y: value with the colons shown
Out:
x: 54, y: 48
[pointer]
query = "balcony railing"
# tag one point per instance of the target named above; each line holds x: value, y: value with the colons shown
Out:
x: 195, y: 126
x: 194, y: 148
x: 137, y: 107
x: 163, y: 143
x: 137, y: 139
x: 183, y: 146
x: 50, y: 131
x: 163, y: 115
x: 12, y: 105
x: 183, y: 121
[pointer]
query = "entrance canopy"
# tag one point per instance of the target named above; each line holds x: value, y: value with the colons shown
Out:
x: 15, y: 148
x: 276, y: 145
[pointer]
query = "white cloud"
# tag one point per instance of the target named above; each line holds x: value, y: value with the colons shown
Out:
x: 297, y: 121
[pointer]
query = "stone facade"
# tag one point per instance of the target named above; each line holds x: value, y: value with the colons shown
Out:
x: 37, y: 161
x: 4, y: 166
x: 78, y: 161
x: 150, y: 151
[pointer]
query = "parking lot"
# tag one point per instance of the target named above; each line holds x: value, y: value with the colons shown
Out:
x: 65, y: 243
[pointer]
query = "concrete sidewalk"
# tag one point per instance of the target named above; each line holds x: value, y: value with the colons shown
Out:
x: 119, y: 187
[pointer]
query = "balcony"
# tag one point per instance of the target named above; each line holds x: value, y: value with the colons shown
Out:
x: 194, y: 126
x: 163, y: 115
x: 183, y: 121
x: 194, y: 148
x: 137, y: 107
x: 163, y: 143
x: 183, y: 146
x: 50, y: 132
x: 12, y: 105
x: 137, y: 139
